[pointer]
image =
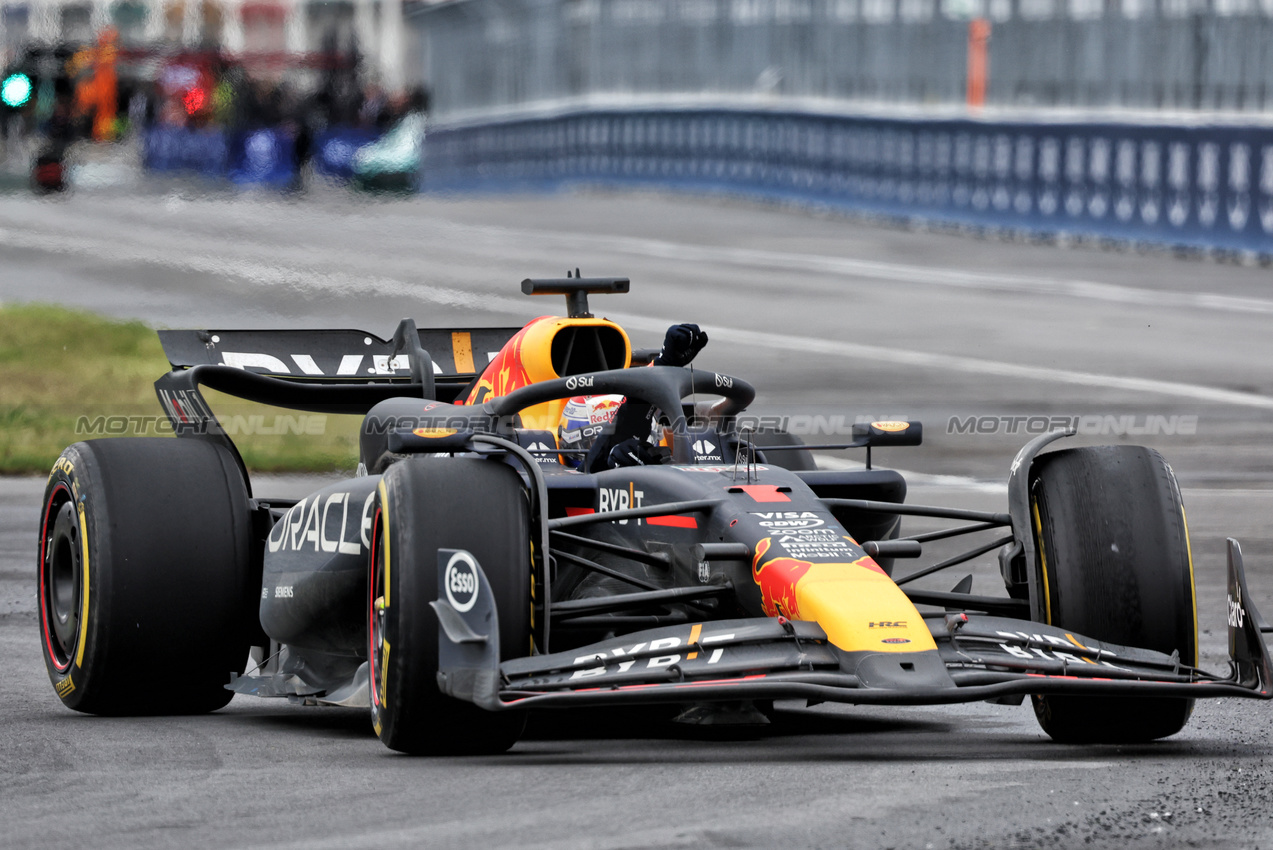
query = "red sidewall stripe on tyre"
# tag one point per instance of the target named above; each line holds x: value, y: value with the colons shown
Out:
x: 44, y: 566
x: 371, y: 613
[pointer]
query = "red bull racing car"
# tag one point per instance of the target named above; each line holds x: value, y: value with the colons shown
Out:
x: 472, y: 571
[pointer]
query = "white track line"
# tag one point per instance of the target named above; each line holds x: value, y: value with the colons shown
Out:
x: 300, y: 279
x: 921, y: 479
x: 923, y: 275
x: 752, y: 258
x: 967, y: 365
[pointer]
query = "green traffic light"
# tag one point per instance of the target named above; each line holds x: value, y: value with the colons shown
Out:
x: 16, y: 90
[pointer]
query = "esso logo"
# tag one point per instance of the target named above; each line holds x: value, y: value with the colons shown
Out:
x: 579, y: 382
x: 460, y: 581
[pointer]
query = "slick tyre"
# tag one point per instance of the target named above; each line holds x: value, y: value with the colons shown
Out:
x: 1115, y: 565
x: 146, y: 604
x: 428, y: 504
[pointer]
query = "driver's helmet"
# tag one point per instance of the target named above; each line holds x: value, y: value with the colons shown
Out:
x: 583, y: 419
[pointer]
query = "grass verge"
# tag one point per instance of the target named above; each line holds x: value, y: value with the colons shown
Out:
x: 67, y: 376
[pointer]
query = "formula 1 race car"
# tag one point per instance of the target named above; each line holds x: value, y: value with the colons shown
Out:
x: 471, y: 571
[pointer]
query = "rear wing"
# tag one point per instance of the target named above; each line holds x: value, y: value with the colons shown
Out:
x: 336, y: 356
x: 323, y: 371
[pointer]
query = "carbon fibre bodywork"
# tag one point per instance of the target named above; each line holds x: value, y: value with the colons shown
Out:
x: 717, y: 576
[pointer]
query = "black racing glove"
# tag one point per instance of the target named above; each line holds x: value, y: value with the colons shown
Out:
x: 633, y: 452
x: 626, y: 445
x: 680, y: 345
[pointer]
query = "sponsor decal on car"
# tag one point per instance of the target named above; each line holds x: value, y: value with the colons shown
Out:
x: 611, y: 499
x: 543, y: 453
x: 434, y: 433
x: 618, y: 499
x: 1033, y: 652
x: 623, y: 662
x: 505, y: 372
x: 891, y: 426
x: 896, y: 640
x: 1237, y: 616
x: 788, y: 519
x: 777, y: 578
x: 706, y: 450
x: 460, y: 581
x: 815, y: 544
x: 187, y: 410
x: 315, y: 521
x: 350, y: 364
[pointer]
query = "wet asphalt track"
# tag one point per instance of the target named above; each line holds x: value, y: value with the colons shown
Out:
x: 826, y: 317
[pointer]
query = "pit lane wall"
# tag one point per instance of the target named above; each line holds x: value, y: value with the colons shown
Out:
x: 1184, y: 183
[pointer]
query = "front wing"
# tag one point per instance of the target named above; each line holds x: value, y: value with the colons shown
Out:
x: 978, y: 657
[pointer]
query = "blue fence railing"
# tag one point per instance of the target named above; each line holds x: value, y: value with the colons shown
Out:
x: 171, y: 149
x: 1206, y: 186
x: 263, y: 156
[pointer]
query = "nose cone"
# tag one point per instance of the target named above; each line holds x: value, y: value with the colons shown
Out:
x: 860, y: 608
x: 855, y: 603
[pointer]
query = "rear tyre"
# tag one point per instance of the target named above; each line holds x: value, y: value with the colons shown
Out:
x: 425, y: 505
x: 146, y: 600
x: 1115, y: 563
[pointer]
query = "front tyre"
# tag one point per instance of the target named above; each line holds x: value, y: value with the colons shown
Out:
x: 425, y: 505
x: 146, y: 604
x: 1115, y: 565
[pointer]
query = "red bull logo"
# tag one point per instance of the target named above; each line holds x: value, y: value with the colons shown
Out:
x: 527, y: 359
x: 604, y: 409
x: 506, y: 372
x: 777, y: 578
x: 850, y: 601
